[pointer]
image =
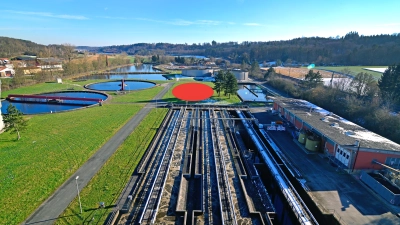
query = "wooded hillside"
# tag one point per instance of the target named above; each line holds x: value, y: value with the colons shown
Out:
x: 352, y: 49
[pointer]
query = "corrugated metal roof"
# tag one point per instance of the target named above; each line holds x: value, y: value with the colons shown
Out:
x: 336, y: 128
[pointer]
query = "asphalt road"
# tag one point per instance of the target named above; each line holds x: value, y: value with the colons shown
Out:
x: 50, y: 210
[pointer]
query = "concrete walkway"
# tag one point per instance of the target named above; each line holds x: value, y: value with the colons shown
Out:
x: 49, y: 211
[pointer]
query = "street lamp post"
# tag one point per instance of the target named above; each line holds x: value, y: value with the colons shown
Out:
x: 79, y: 197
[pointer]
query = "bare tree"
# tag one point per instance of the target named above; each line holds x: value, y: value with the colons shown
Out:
x: 363, y: 84
x: 68, y: 50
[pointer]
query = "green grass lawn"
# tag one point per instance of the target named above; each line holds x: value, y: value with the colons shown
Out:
x: 42, y: 88
x: 50, y: 151
x: 67, y: 85
x: 107, y: 185
x: 234, y: 99
x: 143, y: 96
x: 354, y: 69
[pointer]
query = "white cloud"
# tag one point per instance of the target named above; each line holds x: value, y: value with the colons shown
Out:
x: 181, y: 22
x: 114, y: 18
x: 47, y: 14
x: 252, y: 24
x: 208, y: 22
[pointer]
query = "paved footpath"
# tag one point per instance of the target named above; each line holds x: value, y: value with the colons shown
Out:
x: 50, y: 210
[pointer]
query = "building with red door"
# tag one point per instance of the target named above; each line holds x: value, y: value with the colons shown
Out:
x: 351, y: 146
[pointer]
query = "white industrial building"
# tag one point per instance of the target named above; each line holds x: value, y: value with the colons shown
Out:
x: 240, y: 75
x: 197, y: 72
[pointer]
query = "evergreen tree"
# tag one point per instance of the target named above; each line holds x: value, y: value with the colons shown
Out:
x: 231, y: 85
x: 270, y: 72
x: 313, y: 79
x: 13, y: 121
x: 255, y: 69
x: 219, y: 82
x: 389, y: 83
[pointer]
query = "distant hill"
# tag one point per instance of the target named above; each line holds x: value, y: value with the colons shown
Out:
x: 351, y: 49
x: 10, y: 47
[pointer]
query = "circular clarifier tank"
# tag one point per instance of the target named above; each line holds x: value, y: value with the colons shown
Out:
x: 53, y: 102
x: 127, y: 85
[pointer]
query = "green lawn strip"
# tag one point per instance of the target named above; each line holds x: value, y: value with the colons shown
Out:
x: 354, y: 69
x: 234, y: 99
x: 41, y: 88
x: 131, y: 58
x: 108, y: 183
x: 51, y: 149
x: 84, y: 82
x: 67, y: 85
x: 140, y: 96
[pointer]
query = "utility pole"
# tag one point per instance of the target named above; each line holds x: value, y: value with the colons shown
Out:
x: 79, y: 197
x: 355, y: 158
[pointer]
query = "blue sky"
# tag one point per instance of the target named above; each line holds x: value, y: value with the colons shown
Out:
x: 116, y: 22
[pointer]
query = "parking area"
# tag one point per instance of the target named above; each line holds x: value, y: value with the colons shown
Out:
x: 334, y: 190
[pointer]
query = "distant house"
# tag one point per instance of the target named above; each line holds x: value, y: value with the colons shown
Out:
x: 269, y: 64
x: 50, y: 63
x: 27, y: 61
x: 210, y: 63
x: 4, y: 61
x: 6, y: 72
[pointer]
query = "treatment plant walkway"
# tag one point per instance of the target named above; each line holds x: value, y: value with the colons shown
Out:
x: 50, y: 209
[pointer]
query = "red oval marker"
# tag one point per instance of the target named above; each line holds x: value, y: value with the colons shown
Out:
x: 192, y: 92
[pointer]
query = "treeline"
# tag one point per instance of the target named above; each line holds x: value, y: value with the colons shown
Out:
x: 362, y: 101
x: 351, y: 49
x: 85, y: 65
x: 11, y: 47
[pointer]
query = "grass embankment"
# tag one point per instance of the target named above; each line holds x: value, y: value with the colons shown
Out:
x: 50, y: 150
x: 107, y: 185
x: 42, y: 88
x: 143, y: 96
x: 131, y: 96
x: 54, y: 146
x: 354, y: 69
x: 234, y: 99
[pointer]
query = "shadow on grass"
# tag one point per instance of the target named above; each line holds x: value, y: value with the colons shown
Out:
x: 107, y: 207
x: 54, y: 219
x: 8, y: 139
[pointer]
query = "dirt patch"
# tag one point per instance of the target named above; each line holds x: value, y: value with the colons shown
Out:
x: 298, y: 72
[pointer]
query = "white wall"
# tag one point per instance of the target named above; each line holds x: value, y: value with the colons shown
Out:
x: 240, y: 75
x: 196, y: 73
